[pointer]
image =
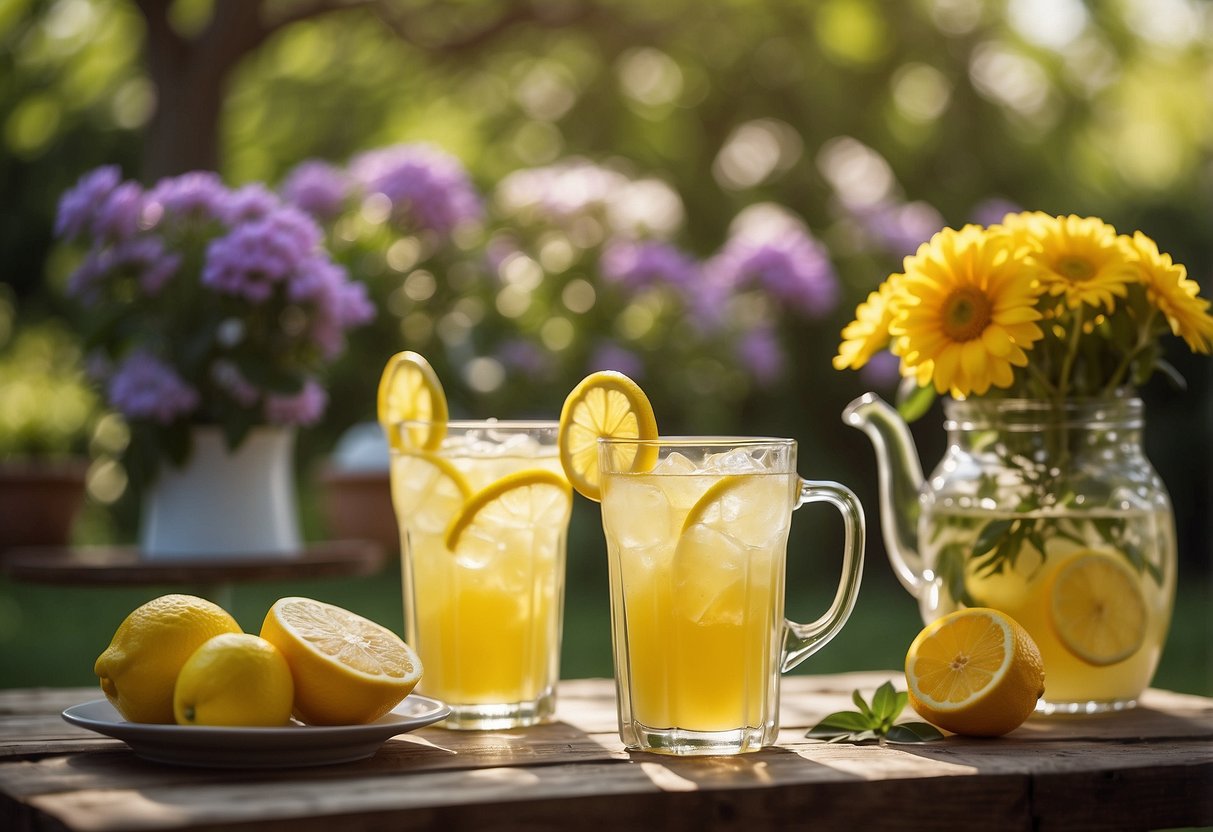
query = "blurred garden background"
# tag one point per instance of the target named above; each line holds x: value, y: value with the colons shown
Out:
x: 696, y: 194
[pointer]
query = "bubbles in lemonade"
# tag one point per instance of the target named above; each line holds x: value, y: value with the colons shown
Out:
x: 698, y: 553
x: 485, y: 619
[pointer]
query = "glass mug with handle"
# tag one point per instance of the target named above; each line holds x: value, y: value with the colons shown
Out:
x: 697, y: 531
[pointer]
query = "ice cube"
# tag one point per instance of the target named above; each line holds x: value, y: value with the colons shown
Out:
x: 675, y: 463
x: 475, y: 550
x: 636, y: 514
x: 515, y: 444
x: 735, y: 461
x: 757, y: 513
x: 676, y: 477
x: 709, y: 577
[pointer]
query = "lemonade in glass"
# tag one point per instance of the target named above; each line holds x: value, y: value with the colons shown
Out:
x: 483, y: 521
x: 483, y: 509
x: 696, y: 541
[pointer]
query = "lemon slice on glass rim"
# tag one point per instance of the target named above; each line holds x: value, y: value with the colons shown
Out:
x: 409, y: 391
x: 1097, y: 608
x: 606, y: 404
x: 534, y: 499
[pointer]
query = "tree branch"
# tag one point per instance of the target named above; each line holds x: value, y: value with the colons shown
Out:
x: 403, y: 26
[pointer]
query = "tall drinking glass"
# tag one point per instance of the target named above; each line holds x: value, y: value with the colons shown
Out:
x: 483, y: 567
x: 697, y: 531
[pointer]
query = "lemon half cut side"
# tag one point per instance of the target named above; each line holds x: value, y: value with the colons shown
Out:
x: 976, y: 672
x: 347, y: 669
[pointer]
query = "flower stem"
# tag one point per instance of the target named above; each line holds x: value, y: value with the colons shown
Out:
x: 1143, y: 343
x: 1067, y: 365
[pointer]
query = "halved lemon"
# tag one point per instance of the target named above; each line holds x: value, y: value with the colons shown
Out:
x: 427, y: 490
x: 604, y: 404
x: 347, y: 669
x: 1097, y: 608
x: 409, y: 391
x: 535, y: 499
x: 975, y: 671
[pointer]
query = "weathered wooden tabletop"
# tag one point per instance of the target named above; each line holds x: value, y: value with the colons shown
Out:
x: 1150, y: 768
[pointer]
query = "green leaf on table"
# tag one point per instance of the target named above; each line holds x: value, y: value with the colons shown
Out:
x: 913, y: 732
x: 887, y: 704
x: 857, y: 698
x: 841, y: 722
x: 873, y: 723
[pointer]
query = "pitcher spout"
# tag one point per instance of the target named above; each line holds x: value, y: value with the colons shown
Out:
x: 901, y: 480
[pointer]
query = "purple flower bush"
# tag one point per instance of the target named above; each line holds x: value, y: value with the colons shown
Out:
x: 427, y: 188
x: 210, y: 305
x: 786, y: 262
x: 558, y: 271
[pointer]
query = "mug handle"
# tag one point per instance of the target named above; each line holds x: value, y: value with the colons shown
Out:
x: 803, y: 640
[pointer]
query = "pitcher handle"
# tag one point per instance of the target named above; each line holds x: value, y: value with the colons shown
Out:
x: 803, y: 640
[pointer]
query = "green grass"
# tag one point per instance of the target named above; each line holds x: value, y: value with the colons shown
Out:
x: 50, y: 636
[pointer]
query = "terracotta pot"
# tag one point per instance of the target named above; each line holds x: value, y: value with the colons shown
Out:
x: 357, y: 505
x: 39, y: 501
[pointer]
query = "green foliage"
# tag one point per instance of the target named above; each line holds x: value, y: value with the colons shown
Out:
x: 730, y: 103
x: 875, y: 722
x: 48, y: 408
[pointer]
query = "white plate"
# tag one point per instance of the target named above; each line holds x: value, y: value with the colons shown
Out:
x: 293, y: 745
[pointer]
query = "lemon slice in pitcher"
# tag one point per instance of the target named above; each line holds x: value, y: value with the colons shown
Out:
x: 604, y: 404
x: 1097, y: 608
x: 409, y: 391
x: 530, y: 503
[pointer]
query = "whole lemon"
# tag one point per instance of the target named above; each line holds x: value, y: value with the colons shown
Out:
x: 139, y: 668
x: 234, y: 679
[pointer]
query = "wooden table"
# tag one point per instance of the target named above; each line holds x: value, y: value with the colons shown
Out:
x: 1143, y: 769
x: 124, y: 566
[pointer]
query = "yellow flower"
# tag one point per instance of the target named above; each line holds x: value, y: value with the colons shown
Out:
x: 965, y: 312
x: 1173, y: 293
x: 1079, y: 257
x: 869, y: 332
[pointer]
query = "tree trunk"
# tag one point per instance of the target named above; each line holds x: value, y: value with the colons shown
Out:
x: 190, y: 78
x: 184, y: 131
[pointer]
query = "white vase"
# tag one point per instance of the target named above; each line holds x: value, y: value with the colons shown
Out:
x: 223, y: 504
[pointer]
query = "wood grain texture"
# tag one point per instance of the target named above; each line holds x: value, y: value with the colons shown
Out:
x: 1147, y: 768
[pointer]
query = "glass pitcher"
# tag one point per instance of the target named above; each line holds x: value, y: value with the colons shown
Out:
x: 1050, y: 513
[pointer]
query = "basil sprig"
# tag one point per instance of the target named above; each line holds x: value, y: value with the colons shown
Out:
x: 875, y: 722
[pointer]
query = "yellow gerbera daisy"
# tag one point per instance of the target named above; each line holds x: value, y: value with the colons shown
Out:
x: 966, y: 312
x: 1025, y: 228
x: 1175, y: 295
x: 1079, y: 257
x: 869, y: 332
